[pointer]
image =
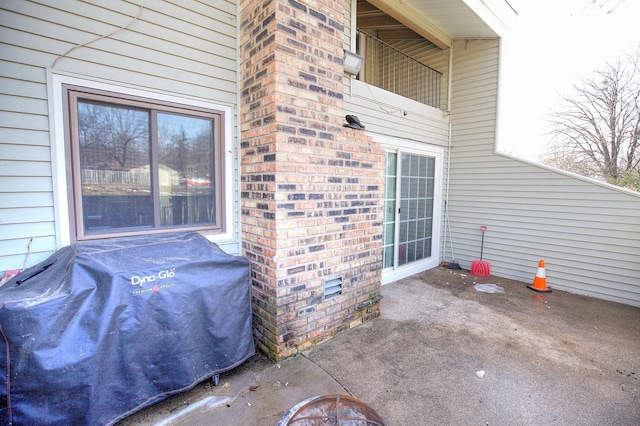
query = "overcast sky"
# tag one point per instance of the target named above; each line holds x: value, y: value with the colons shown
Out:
x: 553, y: 45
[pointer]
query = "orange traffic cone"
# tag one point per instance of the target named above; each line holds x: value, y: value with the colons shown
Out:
x: 540, y: 281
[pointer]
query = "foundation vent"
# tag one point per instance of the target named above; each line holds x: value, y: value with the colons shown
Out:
x: 332, y: 288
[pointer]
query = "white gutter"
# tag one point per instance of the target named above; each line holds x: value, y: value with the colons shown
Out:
x: 449, y: 85
x: 446, y: 195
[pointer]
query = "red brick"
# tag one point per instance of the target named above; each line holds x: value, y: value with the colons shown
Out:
x: 294, y: 235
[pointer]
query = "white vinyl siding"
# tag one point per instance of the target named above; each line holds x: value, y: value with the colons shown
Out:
x: 381, y: 112
x: 165, y: 46
x: 349, y: 34
x: 26, y: 200
x: 587, y: 233
x: 185, y: 49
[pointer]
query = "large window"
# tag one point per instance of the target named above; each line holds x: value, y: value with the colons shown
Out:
x: 140, y: 166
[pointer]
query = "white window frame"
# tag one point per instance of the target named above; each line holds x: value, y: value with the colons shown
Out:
x: 398, y: 145
x: 59, y: 166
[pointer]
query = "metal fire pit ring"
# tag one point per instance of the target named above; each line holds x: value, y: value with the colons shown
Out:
x: 334, y: 410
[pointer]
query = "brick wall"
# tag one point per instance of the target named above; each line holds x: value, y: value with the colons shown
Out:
x: 311, y: 189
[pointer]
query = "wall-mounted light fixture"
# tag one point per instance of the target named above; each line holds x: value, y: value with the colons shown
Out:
x: 352, y: 63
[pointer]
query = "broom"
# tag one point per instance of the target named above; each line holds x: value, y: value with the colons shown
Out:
x: 453, y: 264
x: 478, y: 267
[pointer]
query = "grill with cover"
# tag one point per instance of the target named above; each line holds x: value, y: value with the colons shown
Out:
x: 102, y: 329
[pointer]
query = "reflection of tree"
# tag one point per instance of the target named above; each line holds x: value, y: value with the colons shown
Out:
x: 112, y: 137
x: 173, y: 148
x: 191, y: 155
x: 118, y: 138
x: 203, y: 146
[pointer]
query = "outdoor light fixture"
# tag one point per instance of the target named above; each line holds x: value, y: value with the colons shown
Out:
x: 352, y: 62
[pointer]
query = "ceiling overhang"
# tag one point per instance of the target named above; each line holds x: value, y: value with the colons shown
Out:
x: 411, y: 19
x: 438, y: 21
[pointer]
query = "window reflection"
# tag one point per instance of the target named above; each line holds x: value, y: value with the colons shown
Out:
x: 142, y: 168
x: 114, y: 162
x: 186, y: 170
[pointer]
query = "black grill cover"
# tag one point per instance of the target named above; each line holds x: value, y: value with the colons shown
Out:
x: 102, y: 329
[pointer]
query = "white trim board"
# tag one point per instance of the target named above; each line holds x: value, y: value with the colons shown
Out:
x: 59, y: 162
x: 388, y: 143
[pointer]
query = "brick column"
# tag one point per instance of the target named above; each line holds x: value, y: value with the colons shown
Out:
x: 311, y: 189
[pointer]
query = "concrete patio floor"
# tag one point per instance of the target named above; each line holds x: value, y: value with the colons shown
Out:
x: 547, y: 358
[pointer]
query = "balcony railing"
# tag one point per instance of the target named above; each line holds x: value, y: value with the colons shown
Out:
x: 390, y: 69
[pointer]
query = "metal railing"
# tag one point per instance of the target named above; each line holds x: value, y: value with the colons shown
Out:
x: 390, y: 69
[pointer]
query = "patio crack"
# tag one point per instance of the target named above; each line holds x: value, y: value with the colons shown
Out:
x: 328, y: 373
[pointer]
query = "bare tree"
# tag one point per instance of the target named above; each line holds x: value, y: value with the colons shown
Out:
x: 112, y: 136
x: 566, y: 158
x: 596, y: 131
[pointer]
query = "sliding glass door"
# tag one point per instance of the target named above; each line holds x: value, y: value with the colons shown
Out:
x: 411, y: 220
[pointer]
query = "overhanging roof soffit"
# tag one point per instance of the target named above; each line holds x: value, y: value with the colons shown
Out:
x: 415, y: 22
x: 383, y: 26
